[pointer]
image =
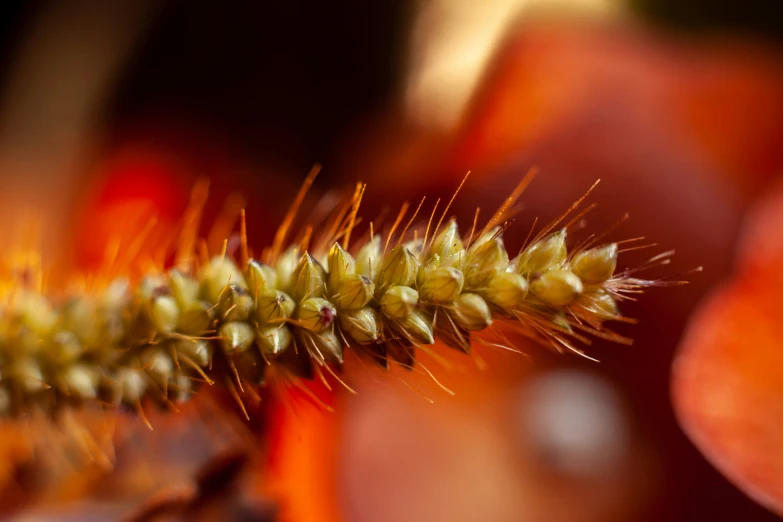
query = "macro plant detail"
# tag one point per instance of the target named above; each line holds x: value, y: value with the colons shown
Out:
x: 238, y: 320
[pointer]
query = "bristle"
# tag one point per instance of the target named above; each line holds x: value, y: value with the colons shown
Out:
x: 226, y: 320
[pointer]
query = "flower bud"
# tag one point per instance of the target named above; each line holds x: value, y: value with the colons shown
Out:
x: 236, y: 336
x: 547, y: 254
x: 471, y: 312
x: 363, y: 325
x: 184, y: 288
x: 368, y: 259
x: 442, y: 285
x: 315, y: 314
x: 399, y: 267
x: 235, y: 304
x: 353, y: 292
x: 274, y: 306
x: 506, y: 289
x: 273, y: 339
x: 448, y: 244
x: 217, y: 275
x: 557, y: 287
x: 482, y: 261
x: 260, y: 278
x: 328, y: 346
x: 418, y: 328
x: 399, y: 301
x: 596, y: 265
x: 341, y: 265
x: 309, y: 278
x: 164, y: 314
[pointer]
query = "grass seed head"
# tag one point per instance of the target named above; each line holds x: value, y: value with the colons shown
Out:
x: 223, y: 320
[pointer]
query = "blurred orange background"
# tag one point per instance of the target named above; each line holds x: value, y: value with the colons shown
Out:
x: 109, y: 113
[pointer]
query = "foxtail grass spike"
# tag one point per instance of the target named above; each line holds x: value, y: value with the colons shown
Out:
x: 228, y: 321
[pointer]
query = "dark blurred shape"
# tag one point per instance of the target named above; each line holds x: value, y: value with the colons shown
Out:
x: 751, y: 17
x: 284, y: 80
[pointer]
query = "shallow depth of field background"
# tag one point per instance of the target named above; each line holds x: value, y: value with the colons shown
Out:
x: 109, y: 111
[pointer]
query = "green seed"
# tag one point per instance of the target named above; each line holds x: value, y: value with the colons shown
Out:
x: 309, y: 278
x: 417, y: 327
x: 196, y: 318
x: 236, y: 336
x: 399, y: 301
x: 274, y: 307
x: 217, y: 275
x: 353, y: 292
x: 601, y: 304
x: 199, y: 351
x: 157, y: 364
x: 448, y: 245
x: 506, y: 289
x: 129, y: 385
x: 164, y: 314
x: 286, y: 268
x: 363, y: 325
x: 184, y: 288
x: 328, y: 346
x: 81, y: 380
x: 368, y: 259
x: 260, y: 278
x: 235, y: 304
x: 341, y: 265
x: 557, y: 287
x: 482, y: 261
x: 596, y: 265
x: 273, y: 339
x: 399, y: 267
x: 315, y: 314
x: 442, y: 285
x: 547, y: 254
x: 471, y: 312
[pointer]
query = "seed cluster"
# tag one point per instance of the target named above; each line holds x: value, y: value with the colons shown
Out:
x: 229, y: 323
